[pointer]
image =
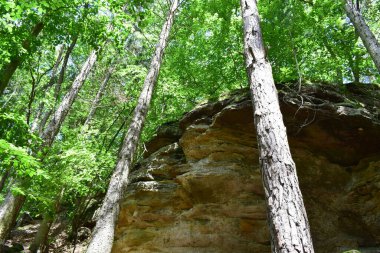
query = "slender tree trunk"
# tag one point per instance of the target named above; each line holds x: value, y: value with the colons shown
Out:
x: 287, y: 218
x: 61, y: 77
x: 52, y: 130
x: 60, y: 114
x: 103, y: 234
x: 98, y: 96
x: 57, y: 89
x: 9, y: 69
x: 41, y: 106
x: 32, y: 96
x: 55, y: 67
x: 11, y: 207
x: 368, y: 38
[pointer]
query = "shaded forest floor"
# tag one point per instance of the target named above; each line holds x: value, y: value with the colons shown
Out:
x: 23, y: 235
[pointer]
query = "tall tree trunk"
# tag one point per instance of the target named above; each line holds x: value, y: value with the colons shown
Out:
x: 103, y: 234
x: 9, y: 69
x: 57, y: 89
x: 60, y: 114
x: 368, y: 38
x: 61, y: 77
x: 98, y: 96
x: 56, y: 66
x: 9, y: 210
x: 287, y: 218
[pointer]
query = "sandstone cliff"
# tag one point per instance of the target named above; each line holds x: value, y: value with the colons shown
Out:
x: 199, y: 188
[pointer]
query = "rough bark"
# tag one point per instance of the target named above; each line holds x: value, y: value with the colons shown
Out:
x: 98, y: 96
x: 361, y: 27
x: 60, y: 114
x: 287, y: 217
x: 9, y: 211
x: 9, y: 69
x: 103, y: 234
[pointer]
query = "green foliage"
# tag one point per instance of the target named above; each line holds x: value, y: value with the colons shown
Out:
x: 75, y: 169
x: 19, y: 159
x: 305, y: 40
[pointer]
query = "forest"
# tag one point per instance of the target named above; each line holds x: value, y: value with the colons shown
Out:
x: 85, y: 86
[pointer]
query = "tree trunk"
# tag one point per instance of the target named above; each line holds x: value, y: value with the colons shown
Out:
x: 55, y: 67
x: 9, y: 69
x: 368, y: 38
x: 98, y: 96
x: 61, y: 77
x: 60, y: 114
x: 42, y: 234
x: 103, y: 234
x: 9, y: 211
x: 57, y: 89
x: 287, y: 218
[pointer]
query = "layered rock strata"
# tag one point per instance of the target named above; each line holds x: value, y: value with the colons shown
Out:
x: 199, y: 189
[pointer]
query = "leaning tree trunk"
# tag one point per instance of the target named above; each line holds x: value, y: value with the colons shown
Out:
x: 103, y: 234
x: 52, y: 130
x: 287, y: 218
x: 60, y: 114
x: 9, y: 210
x: 98, y: 96
x: 45, y: 116
x: 7, y: 71
x: 42, y: 235
x: 368, y: 38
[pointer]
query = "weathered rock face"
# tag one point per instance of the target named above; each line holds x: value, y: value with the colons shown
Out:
x: 200, y: 189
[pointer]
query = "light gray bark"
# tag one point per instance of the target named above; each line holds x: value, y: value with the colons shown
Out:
x: 287, y: 218
x: 60, y: 114
x: 98, y: 96
x: 103, y: 234
x: 9, y: 211
x: 361, y: 27
x: 11, y: 206
x: 45, y: 116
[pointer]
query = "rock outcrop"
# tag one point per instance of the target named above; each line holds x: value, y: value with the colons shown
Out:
x: 199, y: 188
